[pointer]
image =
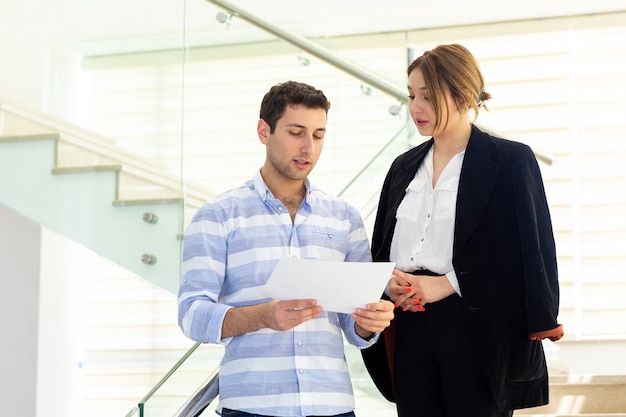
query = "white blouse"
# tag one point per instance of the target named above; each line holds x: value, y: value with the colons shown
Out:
x: 424, y: 232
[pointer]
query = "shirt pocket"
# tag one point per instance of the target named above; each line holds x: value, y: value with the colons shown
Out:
x: 445, y: 201
x: 413, y: 201
x: 325, y: 243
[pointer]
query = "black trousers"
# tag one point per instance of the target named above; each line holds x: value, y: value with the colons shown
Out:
x: 437, y: 370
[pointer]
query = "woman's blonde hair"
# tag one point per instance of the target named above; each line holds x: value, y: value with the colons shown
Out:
x: 452, y: 68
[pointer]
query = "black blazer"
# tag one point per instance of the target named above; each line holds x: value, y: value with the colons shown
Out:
x: 504, y: 257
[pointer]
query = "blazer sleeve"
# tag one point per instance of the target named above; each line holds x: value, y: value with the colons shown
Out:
x: 537, y: 243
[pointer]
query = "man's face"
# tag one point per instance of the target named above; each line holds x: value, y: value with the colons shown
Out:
x: 295, y: 146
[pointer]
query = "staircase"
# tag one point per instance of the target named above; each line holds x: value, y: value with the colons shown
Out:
x: 129, y: 216
x: 79, y: 184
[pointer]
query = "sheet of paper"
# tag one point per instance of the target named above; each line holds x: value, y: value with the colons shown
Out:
x: 337, y: 286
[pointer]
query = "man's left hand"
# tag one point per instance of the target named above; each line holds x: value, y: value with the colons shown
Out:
x: 374, y: 318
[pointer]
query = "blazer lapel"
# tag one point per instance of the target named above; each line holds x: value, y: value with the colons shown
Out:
x: 478, y: 175
x: 403, y: 178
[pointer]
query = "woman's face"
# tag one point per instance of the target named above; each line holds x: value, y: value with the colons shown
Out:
x: 422, y: 111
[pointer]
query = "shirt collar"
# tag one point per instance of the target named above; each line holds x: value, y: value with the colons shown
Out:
x: 265, y: 193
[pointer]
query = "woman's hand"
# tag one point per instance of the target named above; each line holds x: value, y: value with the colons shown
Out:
x: 413, y: 292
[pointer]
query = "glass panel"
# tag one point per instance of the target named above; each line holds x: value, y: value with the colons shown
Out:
x: 368, y: 401
x: 189, y: 375
x: 101, y: 173
x: 67, y: 165
x: 225, y: 80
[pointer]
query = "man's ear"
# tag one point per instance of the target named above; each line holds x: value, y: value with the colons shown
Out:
x: 263, y: 130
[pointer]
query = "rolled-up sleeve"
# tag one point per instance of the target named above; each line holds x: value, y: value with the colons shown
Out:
x: 200, y: 315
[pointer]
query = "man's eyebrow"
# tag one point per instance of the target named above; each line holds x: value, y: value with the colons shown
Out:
x: 303, y: 127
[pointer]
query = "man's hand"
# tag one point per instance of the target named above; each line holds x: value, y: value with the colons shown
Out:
x: 275, y: 314
x: 285, y: 315
x: 374, y: 318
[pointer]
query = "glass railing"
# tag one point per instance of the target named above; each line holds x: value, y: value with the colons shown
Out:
x: 364, y: 188
x: 189, y: 386
x: 203, y: 399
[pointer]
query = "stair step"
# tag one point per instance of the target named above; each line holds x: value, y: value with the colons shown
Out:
x: 584, y: 395
x: 530, y: 413
x: 31, y: 137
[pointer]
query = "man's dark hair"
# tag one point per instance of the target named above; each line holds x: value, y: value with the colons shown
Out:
x: 290, y: 93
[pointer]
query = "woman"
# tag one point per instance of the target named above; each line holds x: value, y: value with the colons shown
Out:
x: 464, y: 216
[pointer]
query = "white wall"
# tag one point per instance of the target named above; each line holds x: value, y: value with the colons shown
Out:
x: 19, y: 298
x: 40, y: 322
x: 26, y: 31
x: 60, y: 350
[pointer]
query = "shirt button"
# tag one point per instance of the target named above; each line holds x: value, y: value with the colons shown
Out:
x: 301, y: 371
x: 299, y: 342
x: 280, y: 209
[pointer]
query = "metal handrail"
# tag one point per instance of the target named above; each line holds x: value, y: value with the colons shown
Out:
x: 336, y: 61
x: 203, y: 397
x: 167, y: 376
x: 316, y: 50
x: 197, y: 403
x: 133, y: 412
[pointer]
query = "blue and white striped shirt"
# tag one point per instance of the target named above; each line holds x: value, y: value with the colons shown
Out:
x: 230, y: 249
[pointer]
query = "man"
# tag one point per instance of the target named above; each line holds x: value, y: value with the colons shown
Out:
x: 282, y: 357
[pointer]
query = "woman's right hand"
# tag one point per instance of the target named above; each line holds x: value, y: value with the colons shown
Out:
x: 401, y: 291
x: 413, y: 292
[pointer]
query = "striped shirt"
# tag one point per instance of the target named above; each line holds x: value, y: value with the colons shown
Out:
x: 230, y: 249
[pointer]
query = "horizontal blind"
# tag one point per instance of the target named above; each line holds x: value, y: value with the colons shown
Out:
x: 223, y: 88
x: 558, y: 85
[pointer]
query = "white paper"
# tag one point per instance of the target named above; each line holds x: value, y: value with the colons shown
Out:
x: 337, y: 286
